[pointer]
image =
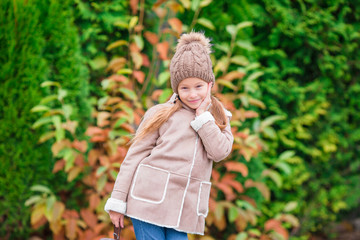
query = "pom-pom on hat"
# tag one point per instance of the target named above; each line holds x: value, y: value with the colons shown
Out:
x: 191, y: 59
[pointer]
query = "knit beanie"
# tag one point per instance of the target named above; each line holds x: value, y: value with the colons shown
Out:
x: 191, y: 59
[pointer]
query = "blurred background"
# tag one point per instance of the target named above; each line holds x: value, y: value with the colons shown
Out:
x: 76, y: 77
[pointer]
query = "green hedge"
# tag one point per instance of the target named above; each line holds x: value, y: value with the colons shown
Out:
x: 38, y: 42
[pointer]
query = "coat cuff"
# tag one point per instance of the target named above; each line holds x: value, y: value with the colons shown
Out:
x: 201, y: 120
x: 115, y: 205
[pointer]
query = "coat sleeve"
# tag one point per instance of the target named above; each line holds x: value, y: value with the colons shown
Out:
x: 137, y: 152
x: 217, y: 143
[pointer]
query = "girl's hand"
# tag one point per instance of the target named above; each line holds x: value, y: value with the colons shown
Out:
x: 206, y: 103
x: 117, y: 218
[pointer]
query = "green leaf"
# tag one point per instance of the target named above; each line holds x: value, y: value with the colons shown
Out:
x: 285, y: 155
x: 119, y: 122
x: 195, y: 4
x: 67, y: 109
x: 48, y: 99
x: 206, y: 23
x: 100, y: 170
x: 40, y: 108
x: 233, y: 214
x: 118, y: 133
x: 247, y: 45
x: 40, y: 188
x: 274, y: 175
x: 254, y: 76
x: 139, y: 41
x: 290, y: 206
x: 62, y: 93
x: 227, y: 84
x: 116, y: 44
x: 231, y: 29
x: 186, y: 3
x: 113, y: 174
x: 128, y: 93
x: 240, y: 60
x: 50, y: 83
x: 205, y: 3
x: 164, y: 96
x: 241, y: 236
x: 163, y: 78
x: 99, y: 62
x: 32, y: 200
x: 225, y: 47
x: 41, y: 122
x: 124, y: 71
x: 283, y: 166
x: 46, y: 136
x: 133, y: 22
x: 100, y: 184
x: 244, y: 25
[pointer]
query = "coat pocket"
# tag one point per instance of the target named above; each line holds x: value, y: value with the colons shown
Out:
x: 203, y: 199
x: 150, y: 184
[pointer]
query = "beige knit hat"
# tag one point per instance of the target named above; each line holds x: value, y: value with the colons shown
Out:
x: 191, y: 59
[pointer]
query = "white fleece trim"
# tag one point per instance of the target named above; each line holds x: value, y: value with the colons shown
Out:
x: 188, y: 181
x: 198, y: 203
x: 228, y: 113
x: 144, y: 199
x: 201, y: 120
x: 115, y: 205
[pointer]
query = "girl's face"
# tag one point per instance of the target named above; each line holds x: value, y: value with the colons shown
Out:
x: 192, y: 91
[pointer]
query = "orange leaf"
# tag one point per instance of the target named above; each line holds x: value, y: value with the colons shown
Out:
x: 275, y: 225
x: 94, y: 201
x: 70, y: 229
x: 251, y: 114
x: 139, y: 75
x: 237, y: 167
x: 151, y: 37
x: 162, y: 49
x: 93, y: 156
x: 145, y: 60
x: 233, y: 75
x: 102, y: 119
x: 156, y: 94
x: 176, y: 24
x: 94, y: 130
x: 89, y: 217
x: 58, y: 146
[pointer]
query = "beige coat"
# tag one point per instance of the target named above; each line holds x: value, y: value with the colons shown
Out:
x: 165, y: 178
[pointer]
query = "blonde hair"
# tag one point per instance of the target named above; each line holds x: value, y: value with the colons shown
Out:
x: 161, y: 116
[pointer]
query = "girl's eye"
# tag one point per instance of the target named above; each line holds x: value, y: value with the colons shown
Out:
x: 199, y: 86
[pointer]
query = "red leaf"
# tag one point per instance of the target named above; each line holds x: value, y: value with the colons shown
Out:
x: 94, y: 201
x: 237, y: 167
x: 145, y: 60
x: 94, y: 130
x: 134, y: 6
x: 227, y: 190
x: 58, y: 165
x: 275, y: 225
x: 215, y: 175
x: 139, y: 75
x: 162, y: 49
x: 89, y: 217
x: 80, y: 145
x: 151, y: 37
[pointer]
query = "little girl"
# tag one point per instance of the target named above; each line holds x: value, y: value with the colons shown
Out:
x: 164, y: 181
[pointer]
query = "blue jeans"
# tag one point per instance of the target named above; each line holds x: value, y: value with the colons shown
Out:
x: 148, y: 231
